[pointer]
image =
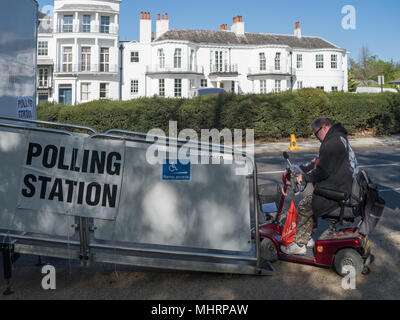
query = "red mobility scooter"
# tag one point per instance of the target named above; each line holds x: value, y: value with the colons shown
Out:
x: 337, y: 247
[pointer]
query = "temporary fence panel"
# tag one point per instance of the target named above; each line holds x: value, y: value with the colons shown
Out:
x: 101, y: 195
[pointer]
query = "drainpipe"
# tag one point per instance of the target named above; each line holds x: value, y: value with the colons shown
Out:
x: 291, y: 71
x: 121, y: 68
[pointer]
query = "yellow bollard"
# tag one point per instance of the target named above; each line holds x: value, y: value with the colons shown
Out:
x: 293, y: 143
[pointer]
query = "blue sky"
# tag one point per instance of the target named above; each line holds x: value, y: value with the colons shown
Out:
x: 376, y: 21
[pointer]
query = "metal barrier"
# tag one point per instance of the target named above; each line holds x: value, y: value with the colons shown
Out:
x: 95, y: 198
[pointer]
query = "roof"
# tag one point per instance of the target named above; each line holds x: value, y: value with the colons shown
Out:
x: 42, y: 15
x: 86, y: 7
x: 45, y: 23
x: 228, y: 37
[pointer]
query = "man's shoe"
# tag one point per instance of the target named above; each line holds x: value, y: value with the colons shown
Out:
x: 311, y: 243
x: 294, y: 249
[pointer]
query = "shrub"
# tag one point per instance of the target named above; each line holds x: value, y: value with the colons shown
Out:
x: 272, y: 116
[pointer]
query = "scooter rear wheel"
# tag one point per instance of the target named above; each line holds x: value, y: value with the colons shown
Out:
x: 269, y: 251
x: 348, y: 257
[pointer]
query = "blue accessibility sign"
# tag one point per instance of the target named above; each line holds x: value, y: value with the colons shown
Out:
x: 176, y: 171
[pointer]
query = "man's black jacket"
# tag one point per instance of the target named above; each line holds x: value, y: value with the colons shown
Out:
x: 336, y: 167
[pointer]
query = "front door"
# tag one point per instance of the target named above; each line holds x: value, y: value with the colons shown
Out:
x: 65, y: 96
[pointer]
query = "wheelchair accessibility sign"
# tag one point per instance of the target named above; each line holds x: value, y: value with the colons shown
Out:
x: 174, y: 170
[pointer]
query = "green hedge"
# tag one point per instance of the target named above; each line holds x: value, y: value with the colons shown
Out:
x: 272, y: 116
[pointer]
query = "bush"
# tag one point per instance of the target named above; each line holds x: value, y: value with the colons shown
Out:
x: 272, y: 116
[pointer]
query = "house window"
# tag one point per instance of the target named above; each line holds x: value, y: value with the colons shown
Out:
x: 299, y: 61
x: 233, y: 86
x: 299, y: 84
x: 334, y: 89
x: 135, y: 56
x: 104, y: 90
x: 85, y: 91
x: 219, y: 61
x: 178, y: 88
x: 263, y: 62
x: 334, y: 61
x: 67, y: 59
x: 43, y: 77
x: 321, y: 87
x: 263, y: 86
x: 86, y: 23
x: 178, y: 58
x: 68, y: 23
x: 43, y: 98
x: 104, y: 60
x: 319, y: 58
x: 134, y: 87
x: 43, y: 48
x: 161, y: 87
x: 278, y: 61
x: 85, y: 63
x: 161, y: 58
x: 277, y: 86
x: 105, y: 24
x: 203, y: 83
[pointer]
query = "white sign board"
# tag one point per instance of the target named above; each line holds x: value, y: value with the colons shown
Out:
x: 71, y: 175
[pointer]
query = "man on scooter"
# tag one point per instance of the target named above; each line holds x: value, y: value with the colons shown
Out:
x: 334, y: 169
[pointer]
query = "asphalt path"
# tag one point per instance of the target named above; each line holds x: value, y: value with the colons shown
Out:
x: 290, y: 281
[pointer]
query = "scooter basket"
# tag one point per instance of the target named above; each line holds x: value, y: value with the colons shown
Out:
x: 269, y: 194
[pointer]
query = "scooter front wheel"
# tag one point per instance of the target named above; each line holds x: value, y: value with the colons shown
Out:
x: 269, y: 251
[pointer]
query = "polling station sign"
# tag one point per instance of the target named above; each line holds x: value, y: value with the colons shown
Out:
x: 72, y: 175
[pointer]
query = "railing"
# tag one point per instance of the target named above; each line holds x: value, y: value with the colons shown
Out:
x: 173, y: 69
x: 271, y: 70
x: 86, y: 28
x: 83, y: 68
x: 224, y: 68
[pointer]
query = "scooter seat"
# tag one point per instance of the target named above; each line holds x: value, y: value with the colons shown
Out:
x: 334, y: 216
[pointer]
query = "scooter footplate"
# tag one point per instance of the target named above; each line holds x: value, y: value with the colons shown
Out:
x: 308, y: 256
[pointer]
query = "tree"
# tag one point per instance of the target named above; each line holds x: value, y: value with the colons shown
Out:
x: 369, y: 67
x: 352, y: 84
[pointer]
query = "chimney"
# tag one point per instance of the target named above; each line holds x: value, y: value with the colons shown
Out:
x: 162, y: 26
x: 145, y: 27
x: 297, y: 30
x: 224, y: 27
x: 238, y: 26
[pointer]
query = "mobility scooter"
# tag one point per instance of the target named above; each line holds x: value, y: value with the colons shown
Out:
x: 337, y: 247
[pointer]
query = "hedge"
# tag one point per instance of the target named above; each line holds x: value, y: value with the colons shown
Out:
x: 272, y: 116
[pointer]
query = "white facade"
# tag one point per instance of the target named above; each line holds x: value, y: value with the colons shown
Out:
x: 84, y: 49
x: 171, y: 66
x: 89, y: 63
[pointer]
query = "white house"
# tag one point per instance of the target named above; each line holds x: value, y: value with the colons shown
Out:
x: 176, y: 63
x: 88, y: 62
x: 83, y: 47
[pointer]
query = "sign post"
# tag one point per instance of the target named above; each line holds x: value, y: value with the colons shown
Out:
x: 381, y: 81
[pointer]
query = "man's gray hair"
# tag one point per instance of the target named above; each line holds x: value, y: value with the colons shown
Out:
x: 323, y: 122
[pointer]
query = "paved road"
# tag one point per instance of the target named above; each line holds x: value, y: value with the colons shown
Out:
x: 291, y: 281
